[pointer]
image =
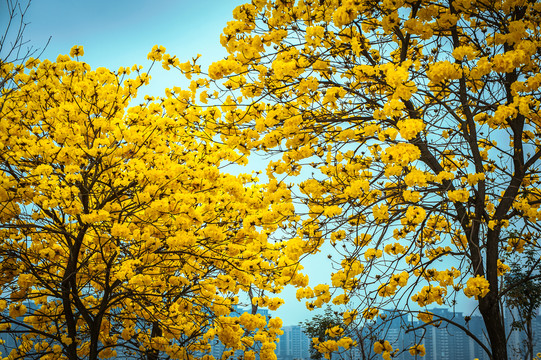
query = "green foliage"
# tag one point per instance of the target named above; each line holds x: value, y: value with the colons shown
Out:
x: 524, y: 286
x: 523, y: 294
x: 317, y: 328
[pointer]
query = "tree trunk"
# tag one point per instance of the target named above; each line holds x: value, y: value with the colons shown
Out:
x: 529, y: 338
x: 153, y: 354
x: 491, y: 312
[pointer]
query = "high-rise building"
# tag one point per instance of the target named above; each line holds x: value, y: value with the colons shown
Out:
x: 518, y: 338
x: 446, y: 341
x: 294, y: 344
x: 441, y: 341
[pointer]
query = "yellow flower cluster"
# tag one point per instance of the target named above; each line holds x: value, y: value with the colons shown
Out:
x: 442, y: 71
x: 223, y: 68
x: 461, y: 195
x: 425, y: 317
x: 409, y: 128
x: 429, y: 295
x: 370, y: 313
x: 477, y: 287
x: 384, y: 348
x: 401, y: 154
x: 390, y: 288
x: 418, y: 349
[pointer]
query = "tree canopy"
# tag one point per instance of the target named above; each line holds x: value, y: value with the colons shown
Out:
x: 415, y: 128
x: 120, y: 234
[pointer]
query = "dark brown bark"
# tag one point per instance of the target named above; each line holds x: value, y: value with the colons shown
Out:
x: 154, y: 354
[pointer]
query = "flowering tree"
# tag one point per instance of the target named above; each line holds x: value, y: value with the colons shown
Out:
x: 417, y: 124
x: 120, y: 236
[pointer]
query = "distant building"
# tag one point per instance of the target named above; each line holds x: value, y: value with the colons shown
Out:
x: 516, y: 344
x: 450, y: 342
x: 293, y: 344
x: 444, y: 341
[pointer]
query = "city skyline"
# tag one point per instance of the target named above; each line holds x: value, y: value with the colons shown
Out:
x: 440, y: 341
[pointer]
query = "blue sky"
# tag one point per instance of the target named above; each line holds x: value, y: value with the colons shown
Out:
x: 117, y: 33
x: 121, y: 33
